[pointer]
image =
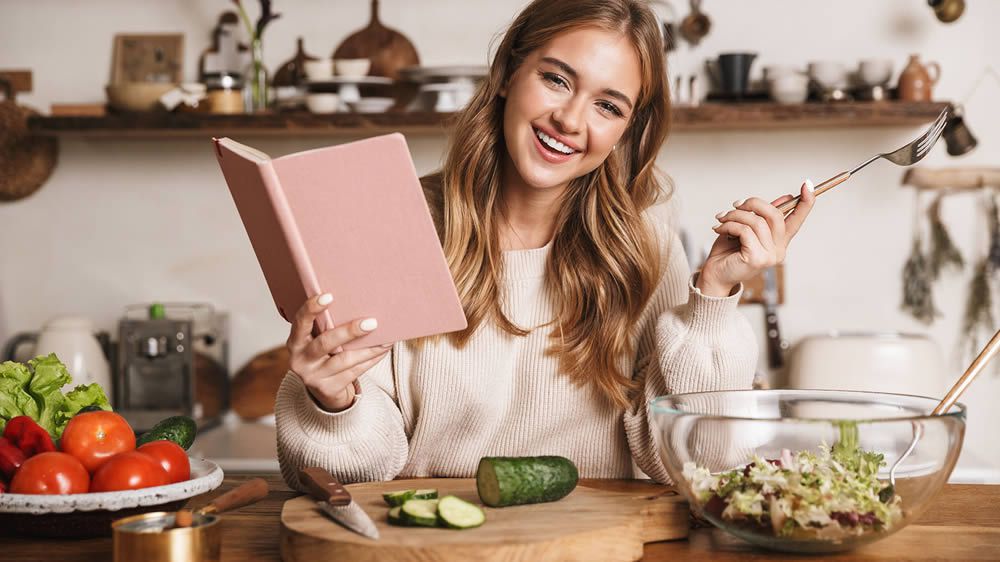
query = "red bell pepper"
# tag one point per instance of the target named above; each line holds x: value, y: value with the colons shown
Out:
x: 3, y: 486
x: 10, y: 459
x: 28, y: 436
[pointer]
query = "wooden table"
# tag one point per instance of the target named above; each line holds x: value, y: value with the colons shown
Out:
x: 965, y: 525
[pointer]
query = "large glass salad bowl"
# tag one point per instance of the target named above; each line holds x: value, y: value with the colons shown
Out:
x: 807, y: 470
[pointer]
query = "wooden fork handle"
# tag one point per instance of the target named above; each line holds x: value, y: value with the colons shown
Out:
x: 788, y: 206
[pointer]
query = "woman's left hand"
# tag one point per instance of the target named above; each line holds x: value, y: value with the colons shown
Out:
x: 752, y: 237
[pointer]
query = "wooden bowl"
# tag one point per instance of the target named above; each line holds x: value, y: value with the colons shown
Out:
x: 136, y: 96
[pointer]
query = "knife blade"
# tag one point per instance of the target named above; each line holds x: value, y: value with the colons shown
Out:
x: 336, y: 501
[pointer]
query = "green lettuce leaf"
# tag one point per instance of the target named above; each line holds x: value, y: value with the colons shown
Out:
x: 79, y: 398
x: 35, y: 389
x: 49, y: 376
x: 14, y: 398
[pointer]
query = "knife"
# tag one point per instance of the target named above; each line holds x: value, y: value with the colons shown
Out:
x: 775, y: 345
x: 336, y: 501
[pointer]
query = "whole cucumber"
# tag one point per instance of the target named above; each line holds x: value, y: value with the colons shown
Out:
x: 504, y: 481
x: 179, y: 429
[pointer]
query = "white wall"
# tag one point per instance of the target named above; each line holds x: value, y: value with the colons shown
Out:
x: 131, y: 221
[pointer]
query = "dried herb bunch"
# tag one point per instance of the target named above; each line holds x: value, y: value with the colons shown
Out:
x: 917, y: 297
x: 943, y: 252
x: 979, y: 306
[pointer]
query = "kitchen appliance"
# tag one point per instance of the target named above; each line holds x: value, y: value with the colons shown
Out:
x: 588, y: 524
x: 184, y: 536
x: 876, y: 362
x: 73, y: 340
x: 334, y: 500
x: 173, y: 359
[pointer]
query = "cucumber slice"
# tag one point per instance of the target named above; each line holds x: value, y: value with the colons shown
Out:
x: 395, y: 518
x: 419, y: 512
x: 426, y: 494
x: 504, y: 481
x: 399, y: 497
x: 457, y: 513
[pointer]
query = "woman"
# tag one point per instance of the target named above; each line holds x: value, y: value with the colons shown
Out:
x: 580, y: 303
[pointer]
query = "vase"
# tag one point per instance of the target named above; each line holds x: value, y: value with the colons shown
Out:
x: 256, y: 90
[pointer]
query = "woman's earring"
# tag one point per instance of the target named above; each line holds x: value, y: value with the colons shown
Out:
x: 614, y: 147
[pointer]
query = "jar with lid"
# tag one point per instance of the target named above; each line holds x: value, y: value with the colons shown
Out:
x: 225, y: 92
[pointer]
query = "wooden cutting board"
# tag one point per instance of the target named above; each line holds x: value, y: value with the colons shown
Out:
x: 588, y: 524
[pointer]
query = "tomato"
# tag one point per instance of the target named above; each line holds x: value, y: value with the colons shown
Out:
x: 130, y: 470
x: 51, y: 473
x: 95, y: 437
x: 171, y: 457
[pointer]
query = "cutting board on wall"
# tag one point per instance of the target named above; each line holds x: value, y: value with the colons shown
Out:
x: 590, y: 524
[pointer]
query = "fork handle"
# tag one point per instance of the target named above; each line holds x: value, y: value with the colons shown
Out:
x: 788, y: 206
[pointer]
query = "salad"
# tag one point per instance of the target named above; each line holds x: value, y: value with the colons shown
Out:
x: 832, y: 494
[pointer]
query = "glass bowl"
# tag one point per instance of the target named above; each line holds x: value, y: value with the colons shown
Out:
x: 815, y: 462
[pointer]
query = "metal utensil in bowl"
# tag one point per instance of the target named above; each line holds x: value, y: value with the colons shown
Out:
x: 977, y: 366
x: 184, y: 536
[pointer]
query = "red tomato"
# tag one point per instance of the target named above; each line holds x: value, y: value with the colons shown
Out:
x: 51, y: 473
x: 171, y: 457
x: 95, y: 437
x: 130, y: 470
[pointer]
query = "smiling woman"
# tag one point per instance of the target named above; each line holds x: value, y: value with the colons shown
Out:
x: 559, y: 235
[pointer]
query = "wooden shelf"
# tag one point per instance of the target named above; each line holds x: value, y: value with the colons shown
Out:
x: 705, y: 117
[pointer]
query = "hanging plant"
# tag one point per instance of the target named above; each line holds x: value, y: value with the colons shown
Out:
x: 994, y: 221
x: 979, y: 306
x: 918, y: 300
x: 943, y: 252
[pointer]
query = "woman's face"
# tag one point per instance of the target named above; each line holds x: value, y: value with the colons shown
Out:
x: 568, y: 104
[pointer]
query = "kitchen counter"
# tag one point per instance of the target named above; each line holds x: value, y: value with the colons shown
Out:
x: 250, y: 446
x: 964, y: 525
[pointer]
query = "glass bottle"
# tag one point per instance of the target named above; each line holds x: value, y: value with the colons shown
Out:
x: 256, y: 90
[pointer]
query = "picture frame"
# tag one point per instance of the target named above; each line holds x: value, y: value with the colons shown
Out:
x: 147, y: 57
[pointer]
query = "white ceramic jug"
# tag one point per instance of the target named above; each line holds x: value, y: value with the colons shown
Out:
x: 72, y: 339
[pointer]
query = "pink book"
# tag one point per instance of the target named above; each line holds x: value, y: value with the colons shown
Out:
x: 350, y: 220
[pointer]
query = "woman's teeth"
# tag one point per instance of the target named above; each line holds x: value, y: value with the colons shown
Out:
x: 553, y: 143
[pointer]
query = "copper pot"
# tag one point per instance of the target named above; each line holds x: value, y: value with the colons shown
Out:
x: 182, y: 536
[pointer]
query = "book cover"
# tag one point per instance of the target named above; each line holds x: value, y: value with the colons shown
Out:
x: 350, y: 220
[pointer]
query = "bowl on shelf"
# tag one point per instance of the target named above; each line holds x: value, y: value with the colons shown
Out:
x: 323, y: 103
x: 771, y: 466
x: 352, y: 68
x: 91, y: 515
x: 789, y: 88
x: 372, y: 105
x: 137, y: 96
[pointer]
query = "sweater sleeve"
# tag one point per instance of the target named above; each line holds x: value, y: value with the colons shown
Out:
x: 364, y: 443
x: 691, y: 342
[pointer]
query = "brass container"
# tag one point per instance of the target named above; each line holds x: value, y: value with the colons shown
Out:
x: 152, y: 537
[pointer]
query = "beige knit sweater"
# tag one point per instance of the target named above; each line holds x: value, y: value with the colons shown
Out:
x: 436, y: 410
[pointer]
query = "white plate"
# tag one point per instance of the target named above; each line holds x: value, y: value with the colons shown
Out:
x: 363, y: 80
x: 205, y: 477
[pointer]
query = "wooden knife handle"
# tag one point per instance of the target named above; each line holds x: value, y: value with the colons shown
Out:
x: 245, y: 494
x: 322, y: 486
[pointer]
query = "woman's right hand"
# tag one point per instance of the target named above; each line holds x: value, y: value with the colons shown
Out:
x: 327, y: 371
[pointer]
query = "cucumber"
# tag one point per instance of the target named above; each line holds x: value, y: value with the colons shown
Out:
x: 395, y: 518
x: 504, y: 481
x: 422, y: 513
x: 426, y: 494
x: 397, y: 498
x: 457, y: 513
x: 179, y: 429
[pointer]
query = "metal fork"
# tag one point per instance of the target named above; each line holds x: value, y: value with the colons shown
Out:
x: 906, y: 155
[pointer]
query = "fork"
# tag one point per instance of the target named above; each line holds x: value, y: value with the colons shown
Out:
x: 906, y: 155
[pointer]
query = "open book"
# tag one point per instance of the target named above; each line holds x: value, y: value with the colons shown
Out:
x: 350, y: 220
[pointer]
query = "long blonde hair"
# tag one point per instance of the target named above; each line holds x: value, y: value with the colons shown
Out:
x: 604, y: 260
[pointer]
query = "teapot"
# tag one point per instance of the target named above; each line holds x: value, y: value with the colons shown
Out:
x: 73, y: 341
